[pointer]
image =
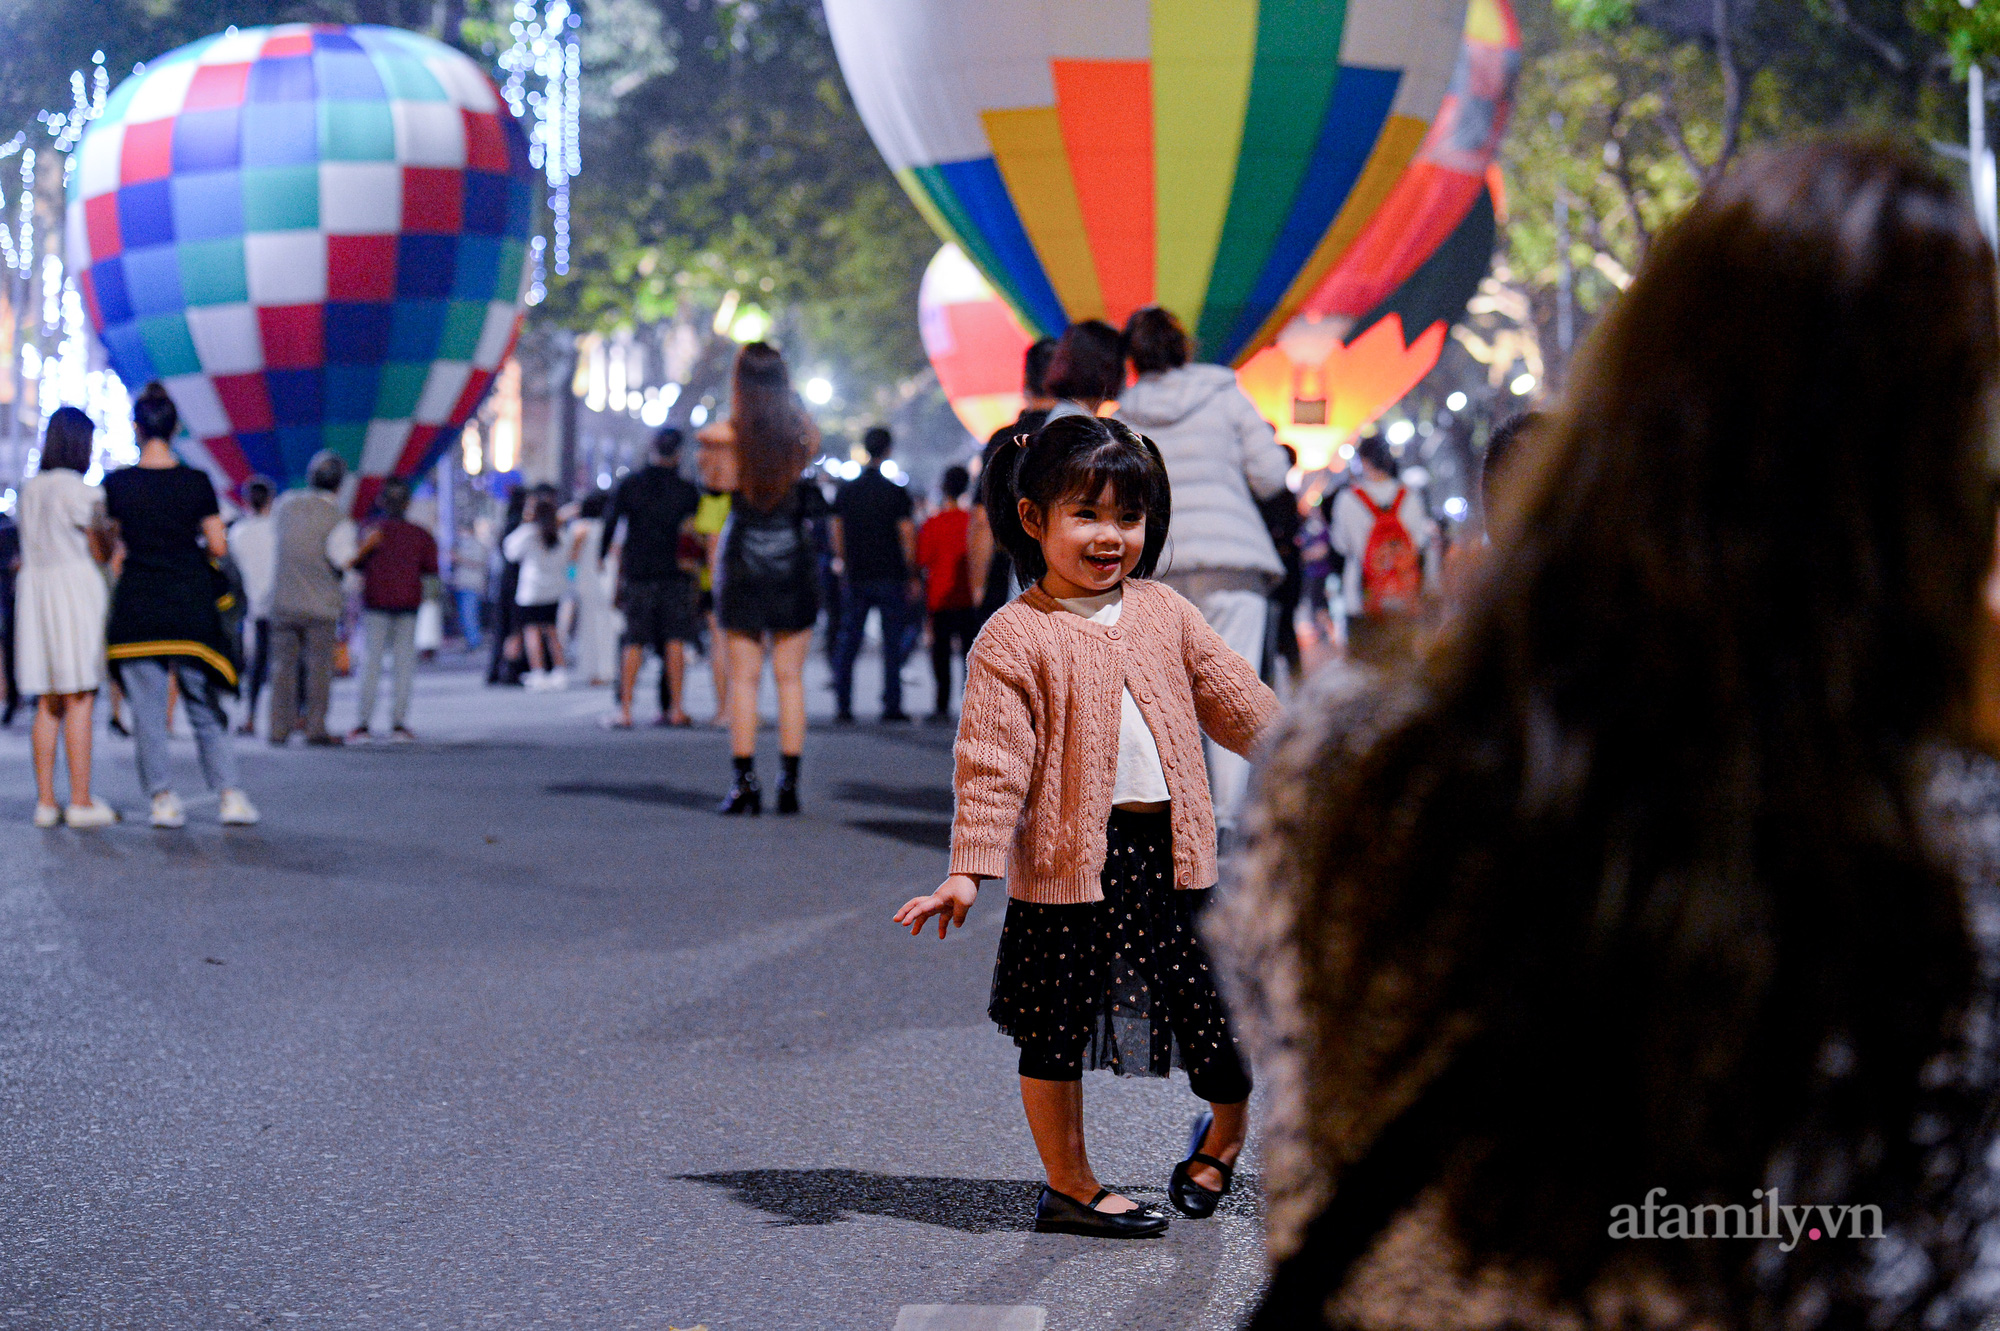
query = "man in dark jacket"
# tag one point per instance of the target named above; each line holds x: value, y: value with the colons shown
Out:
x: 874, y: 533
x: 992, y: 568
x: 655, y: 589
x: 396, y: 557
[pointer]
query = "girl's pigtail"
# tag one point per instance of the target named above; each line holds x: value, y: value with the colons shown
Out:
x: 1159, y: 508
x: 1003, y: 507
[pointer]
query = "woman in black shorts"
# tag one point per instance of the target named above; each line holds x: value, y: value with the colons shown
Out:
x: 766, y: 590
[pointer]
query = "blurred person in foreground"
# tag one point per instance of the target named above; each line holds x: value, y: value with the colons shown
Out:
x: 253, y: 539
x: 315, y: 544
x: 656, y: 589
x: 1660, y: 897
x: 766, y: 588
x: 396, y: 557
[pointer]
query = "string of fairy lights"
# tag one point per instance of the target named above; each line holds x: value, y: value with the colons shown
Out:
x: 543, y: 86
x: 48, y: 340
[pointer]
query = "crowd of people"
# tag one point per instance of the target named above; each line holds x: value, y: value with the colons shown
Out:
x: 717, y: 559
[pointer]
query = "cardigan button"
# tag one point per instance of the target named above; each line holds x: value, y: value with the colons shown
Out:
x: 1112, y: 634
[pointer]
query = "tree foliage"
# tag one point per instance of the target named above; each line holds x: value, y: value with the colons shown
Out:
x: 1628, y: 108
x: 1970, y: 32
x: 724, y: 155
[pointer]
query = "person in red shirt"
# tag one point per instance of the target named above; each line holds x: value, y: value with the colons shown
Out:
x: 395, y: 557
x: 948, y: 584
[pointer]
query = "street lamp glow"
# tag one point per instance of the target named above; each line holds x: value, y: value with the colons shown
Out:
x: 1454, y: 508
x: 1523, y: 386
x: 819, y: 390
x: 1456, y: 402
x: 1401, y: 433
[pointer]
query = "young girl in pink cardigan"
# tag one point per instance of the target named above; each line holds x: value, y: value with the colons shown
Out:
x: 1081, y: 781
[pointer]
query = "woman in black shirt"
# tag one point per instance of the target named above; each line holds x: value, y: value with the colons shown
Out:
x: 166, y: 615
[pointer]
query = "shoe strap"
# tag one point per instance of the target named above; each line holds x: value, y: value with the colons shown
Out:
x: 1102, y: 1193
x: 1228, y: 1172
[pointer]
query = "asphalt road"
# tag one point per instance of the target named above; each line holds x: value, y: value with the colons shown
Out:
x: 508, y: 1029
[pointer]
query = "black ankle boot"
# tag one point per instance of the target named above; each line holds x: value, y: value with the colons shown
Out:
x: 788, y: 784
x: 746, y: 796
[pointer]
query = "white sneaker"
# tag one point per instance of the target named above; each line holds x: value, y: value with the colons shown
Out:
x: 237, y: 810
x: 167, y: 810
x: 558, y: 680
x: 94, y: 814
x: 47, y: 815
x: 538, y: 680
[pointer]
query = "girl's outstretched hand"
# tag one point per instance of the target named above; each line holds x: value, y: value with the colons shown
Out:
x: 949, y: 903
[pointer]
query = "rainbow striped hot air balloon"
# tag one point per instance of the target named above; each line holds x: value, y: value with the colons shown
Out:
x: 1222, y: 158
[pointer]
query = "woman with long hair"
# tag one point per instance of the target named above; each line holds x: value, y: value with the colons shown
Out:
x: 1592, y: 948
x: 166, y: 629
x: 59, y: 617
x: 767, y: 588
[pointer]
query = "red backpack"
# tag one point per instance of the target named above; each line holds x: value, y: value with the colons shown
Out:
x: 1392, y: 576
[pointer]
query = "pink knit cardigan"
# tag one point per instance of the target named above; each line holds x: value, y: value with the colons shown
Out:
x: 1037, y: 751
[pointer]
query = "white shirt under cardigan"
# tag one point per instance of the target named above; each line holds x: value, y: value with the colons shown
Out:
x: 1141, y: 780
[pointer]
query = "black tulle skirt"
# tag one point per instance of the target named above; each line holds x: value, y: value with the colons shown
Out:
x: 1123, y: 984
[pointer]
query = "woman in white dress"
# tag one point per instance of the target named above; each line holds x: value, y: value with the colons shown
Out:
x: 59, y: 618
x: 596, y: 641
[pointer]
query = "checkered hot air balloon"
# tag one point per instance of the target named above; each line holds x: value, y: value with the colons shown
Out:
x: 315, y: 237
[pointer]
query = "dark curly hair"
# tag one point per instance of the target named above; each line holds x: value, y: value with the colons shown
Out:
x: 1589, y: 899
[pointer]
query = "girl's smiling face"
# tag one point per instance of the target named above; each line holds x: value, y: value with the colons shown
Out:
x: 1091, y: 545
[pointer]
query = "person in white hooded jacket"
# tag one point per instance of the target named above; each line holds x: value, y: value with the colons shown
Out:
x: 1222, y: 457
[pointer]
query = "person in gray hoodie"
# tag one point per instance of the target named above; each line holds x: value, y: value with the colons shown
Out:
x: 1222, y: 457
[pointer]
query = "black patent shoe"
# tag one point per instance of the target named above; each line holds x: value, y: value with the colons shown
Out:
x: 788, y: 796
x: 746, y: 796
x: 1190, y: 1198
x: 1056, y: 1213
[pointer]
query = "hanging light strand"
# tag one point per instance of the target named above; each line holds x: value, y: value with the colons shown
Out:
x: 61, y: 359
x: 543, y: 84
